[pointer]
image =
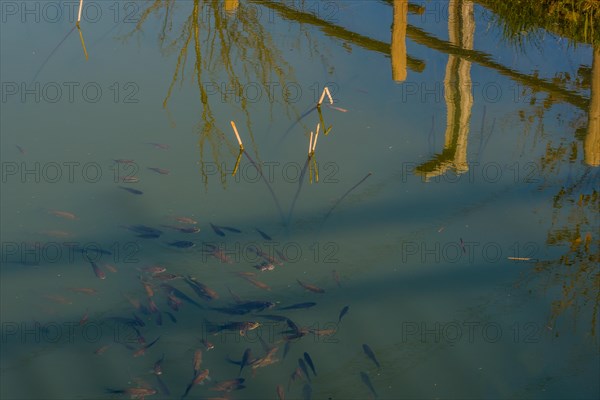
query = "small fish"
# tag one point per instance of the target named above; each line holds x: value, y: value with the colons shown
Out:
x: 183, y: 229
x: 280, y: 392
x: 63, y: 214
x: 304, y: 369
x: 186, y: 220
x: 217, y: 230
x: 268, y: 359
x: 197, y: 361
x: 257, y: 283
x: 230, y: 229
x: 158, y: 320
x: 134, y: 302
x: 323, y: 332
x: 101, y: 350
x: 141, y: 351
x: 263, y: 234
x: 159, y: 170
x: 131, y: 190
x: 138, y: 320
x: 182, y: 244
x: 175, y: 293
x: 153, y: 269
x: 201, y: 289
x: 198, y: 380
x: 161, y: 146
x: 87, y: 249
x: 242, y: 327
x: 89, y: 291
x: 336, y: 278
x: 292, y: 325
x: 365, y: 378
x: 165, y: 276
x: 264, y: 255
x: 148, y: 289
x: 245, y: 307
x: 97, y: 271
x: 134, y: 393
x: 310, y: 363
x: 297, y: 374
x: 265, y: 266
x: 21, y: 150
x: 307, y: 392
x: 207, y: 345
x: 123, y: 161
x: 130, y: 179
x: 217, y: 253
x: 110, y: 267
x: 245, y: 274
x: 154, y: 309
x: 143, y: 230
x: 171, y: 316
x: 245, y: 358
x: 84, y: 319
x: 230, y: 385
x: 281, y: 256
x: 299, y: 305
x: 157, y: 369
x: 370, y: 354
x: 311, y: 288
x: 342, y: 313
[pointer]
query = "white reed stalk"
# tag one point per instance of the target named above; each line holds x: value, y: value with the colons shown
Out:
x: 237, y: 135
x: 328, y: 95
x: 322, y: 96
x: 80, y: 9
x: 314, y: 146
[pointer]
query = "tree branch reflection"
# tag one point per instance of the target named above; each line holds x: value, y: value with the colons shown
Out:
x: 216, y: 41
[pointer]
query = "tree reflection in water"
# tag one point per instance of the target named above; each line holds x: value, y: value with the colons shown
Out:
x: 576, y: 213
x: 217, y: 34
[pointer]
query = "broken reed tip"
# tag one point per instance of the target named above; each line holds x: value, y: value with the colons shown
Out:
x: 328, y: 95
x: 237, y: 135
x: 310, y: 144
x: 325, y: 91
x: 80, y: 9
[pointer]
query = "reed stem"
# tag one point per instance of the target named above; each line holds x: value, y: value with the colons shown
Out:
x: 237, y: 135
x: 300, y: 182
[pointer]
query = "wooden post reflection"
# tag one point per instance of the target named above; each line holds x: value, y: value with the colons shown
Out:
x: 231, y: 5
x: 458, y: 85
x: 398, y: 48
x: 591, y: 143
x: 458, y: 95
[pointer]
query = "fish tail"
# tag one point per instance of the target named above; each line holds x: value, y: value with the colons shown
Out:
x: 115, y: 391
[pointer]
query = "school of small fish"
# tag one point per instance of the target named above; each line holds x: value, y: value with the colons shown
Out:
x: 162, y: 293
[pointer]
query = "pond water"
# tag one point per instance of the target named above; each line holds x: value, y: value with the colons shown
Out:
x: 450, y: 206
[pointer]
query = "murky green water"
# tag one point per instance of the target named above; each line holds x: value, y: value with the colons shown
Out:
x: 468, y: 257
